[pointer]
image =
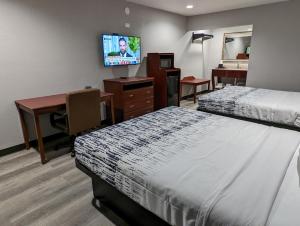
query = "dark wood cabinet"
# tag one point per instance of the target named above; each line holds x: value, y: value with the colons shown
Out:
x: 133, y: 97
x: 237, y: 74
x: 160, y: 66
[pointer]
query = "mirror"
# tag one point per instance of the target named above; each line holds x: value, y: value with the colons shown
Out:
x: 237, y: 46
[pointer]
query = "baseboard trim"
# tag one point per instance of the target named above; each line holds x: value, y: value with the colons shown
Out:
x: 33, y: 143
x: 11, y: 150
x: 192, y: 95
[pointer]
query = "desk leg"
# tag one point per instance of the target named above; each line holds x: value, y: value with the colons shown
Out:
x: 195, y: 93
x: 208, y: 86
x: 180, y: 92
x: 24, y: 128
x: 112, y: 110
x: 39, y: 136
x: 213, y: 82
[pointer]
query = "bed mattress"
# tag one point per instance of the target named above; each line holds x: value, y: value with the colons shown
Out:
x: 194, y: 168
x: 261, y: 104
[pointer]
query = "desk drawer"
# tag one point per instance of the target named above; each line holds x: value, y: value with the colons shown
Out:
x: 138, y: 94
x: 137, y: 113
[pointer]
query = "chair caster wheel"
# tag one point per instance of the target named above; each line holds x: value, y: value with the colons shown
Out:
x: 73, y: 154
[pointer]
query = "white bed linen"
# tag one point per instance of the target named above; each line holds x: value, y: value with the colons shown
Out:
x: 268, y: 105
x: 217, y: 180
x: 217, y: 171
x: 286, y: 209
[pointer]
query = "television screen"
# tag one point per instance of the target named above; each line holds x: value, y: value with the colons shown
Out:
x: 121, y: 50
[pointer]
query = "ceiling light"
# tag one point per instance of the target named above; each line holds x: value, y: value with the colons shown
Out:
x: 189, y: 6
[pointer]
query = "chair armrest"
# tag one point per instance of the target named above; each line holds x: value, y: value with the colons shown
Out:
x: 58, y: 114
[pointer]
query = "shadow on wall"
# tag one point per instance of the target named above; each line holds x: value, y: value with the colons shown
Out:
x: 45, y: 127
x: 191, y: 56
x: 142, y: 69
x: 190, y: 59
x: 184, y: 44
x: 298, y: 168
x: 119, y: 71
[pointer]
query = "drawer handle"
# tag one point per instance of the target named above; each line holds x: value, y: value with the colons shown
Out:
x: 148, y: 102
x: 131, y: 95
x: 131, y: 106
x: 148, y: 92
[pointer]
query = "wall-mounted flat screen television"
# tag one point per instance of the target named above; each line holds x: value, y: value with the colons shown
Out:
x: 121, y: 50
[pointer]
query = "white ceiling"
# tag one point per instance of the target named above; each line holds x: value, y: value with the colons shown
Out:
x: 201, y: 6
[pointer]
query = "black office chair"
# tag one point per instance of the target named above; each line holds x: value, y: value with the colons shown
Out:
x: 82, y: 114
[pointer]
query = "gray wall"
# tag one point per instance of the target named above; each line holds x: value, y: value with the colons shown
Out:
x: 198, y: 59
x: 275, y: 52
x: 49, y: 47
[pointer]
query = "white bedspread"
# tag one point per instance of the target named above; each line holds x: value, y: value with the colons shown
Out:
x: 286, y: 208
x: 214, y: 171
x: 268, y: 105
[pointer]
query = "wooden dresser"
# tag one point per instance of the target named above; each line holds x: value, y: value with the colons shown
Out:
x: 133, y: 97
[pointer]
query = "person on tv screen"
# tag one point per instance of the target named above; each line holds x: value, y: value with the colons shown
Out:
x: 123, y: 48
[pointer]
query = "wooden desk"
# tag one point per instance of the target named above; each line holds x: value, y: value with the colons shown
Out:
x: 229, y: 73
x: 45, y: 105
x: 192, y: 81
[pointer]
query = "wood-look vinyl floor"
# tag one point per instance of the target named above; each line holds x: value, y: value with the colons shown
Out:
x: 54, y: 194
x: 189, y: 103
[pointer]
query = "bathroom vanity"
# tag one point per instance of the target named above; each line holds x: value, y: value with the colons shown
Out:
x: 238, y: 75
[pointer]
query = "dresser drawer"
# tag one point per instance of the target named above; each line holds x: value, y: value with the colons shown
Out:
x: 133, y: 97
x: 137, y: 113
x: 138, y: 94
x: 139, y: 104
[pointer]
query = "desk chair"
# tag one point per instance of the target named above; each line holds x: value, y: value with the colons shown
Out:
x: 82, y: 114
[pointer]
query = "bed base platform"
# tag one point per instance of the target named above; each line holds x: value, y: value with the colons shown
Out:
x: 282, y: 126
x: 124, y: 207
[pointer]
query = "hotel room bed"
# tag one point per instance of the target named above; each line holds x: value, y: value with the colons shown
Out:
x: 272, y: 106
x: 195, y: 168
